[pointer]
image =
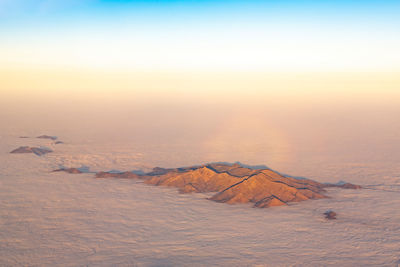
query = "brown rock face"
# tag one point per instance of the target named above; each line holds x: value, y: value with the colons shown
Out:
x: 237, y: 184
x: 234, y: 170
x: 232, y: 183
x: 202, y: 179
x: 117, y: 175
x: 268, y: 188
x: 36, y: 150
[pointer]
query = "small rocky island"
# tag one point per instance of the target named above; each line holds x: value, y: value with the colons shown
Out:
x: 45, y: 136
x: 69, y: 170
x: 232, y: 183
x: 330, y: 215
x: 39, y: 151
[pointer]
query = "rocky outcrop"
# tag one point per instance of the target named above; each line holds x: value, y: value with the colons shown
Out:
x: 200, y: 180
x: 233, y: 183
x: 344, y: 185
x: 69, y: 170
x: 268, y: 188
x: 47, y: 137
x: 117, y: 175
x: 237, y: 184
x: 330, y: 215
x: 234, y: 169
x: 36, y: 150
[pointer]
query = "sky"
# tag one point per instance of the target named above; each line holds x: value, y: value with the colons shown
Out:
x: 219, y: 52
x: 242, y: 74
x: 201, y: 35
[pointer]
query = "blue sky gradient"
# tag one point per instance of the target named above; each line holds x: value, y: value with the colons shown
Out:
x: 15, y: 13
x: 326, y: 26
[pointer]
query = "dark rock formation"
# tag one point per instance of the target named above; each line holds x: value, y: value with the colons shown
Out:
x: 330, y: 215
x: 117, y: 175
x: 59, y: 142
x: 69, y: 170
x: 47, y: 137
x: 36, y: 150
x: 22, y: 149
x: 344, y: 185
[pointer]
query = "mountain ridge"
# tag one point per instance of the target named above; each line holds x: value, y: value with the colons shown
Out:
x: 234, y: 183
